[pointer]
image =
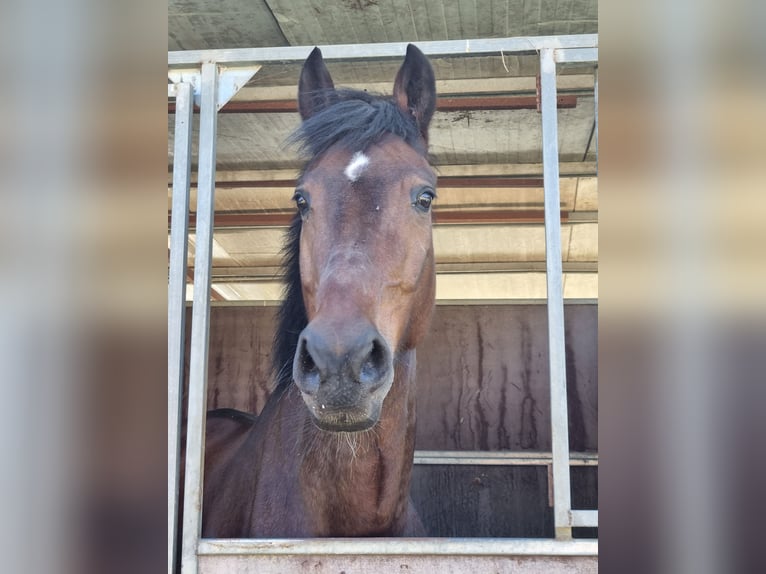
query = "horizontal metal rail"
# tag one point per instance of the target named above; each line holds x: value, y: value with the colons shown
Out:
x: 246, y: 56
x: 500, y: 458
x: 398, y: 546
x: 576, y: 55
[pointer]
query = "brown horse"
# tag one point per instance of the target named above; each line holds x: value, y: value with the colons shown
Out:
x: 331, y: 453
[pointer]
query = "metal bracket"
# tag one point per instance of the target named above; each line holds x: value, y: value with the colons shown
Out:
x: 230, y: 80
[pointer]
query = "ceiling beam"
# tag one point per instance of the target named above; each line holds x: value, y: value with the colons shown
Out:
x: 444, y: 104
x: 283, y: 219
x: 442, y: 181
x: 523, y: 85
x: 566, y: 169
x: 271, y: 272
x: 215, y: 295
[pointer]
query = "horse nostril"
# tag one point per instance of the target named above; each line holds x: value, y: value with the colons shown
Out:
x: 307, y: 361
x: 307, y: 370
x: 375, y: 365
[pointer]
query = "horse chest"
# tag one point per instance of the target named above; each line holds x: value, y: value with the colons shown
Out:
x: 356, y: 495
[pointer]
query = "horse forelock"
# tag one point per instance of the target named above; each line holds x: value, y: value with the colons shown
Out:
x: 355, y: 120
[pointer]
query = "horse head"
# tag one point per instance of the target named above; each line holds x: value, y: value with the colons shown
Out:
x: 365, y: 247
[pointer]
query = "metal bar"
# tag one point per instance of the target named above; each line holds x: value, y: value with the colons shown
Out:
x: 554, y: 279
x: 590, y: 139
x: 444, y: 104
x: 587, y: 518
x: 195, y: 434
x: 580, y: 55
x: 383, y: 546
x: 595, y: 103
x: 179, y: 230
x: 381, y: 50
x: 499, y: 458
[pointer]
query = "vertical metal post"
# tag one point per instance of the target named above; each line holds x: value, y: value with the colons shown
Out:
x: 554, y: 277
x: 595, y: 103
x: 195, y: 435
x: 179, y: 229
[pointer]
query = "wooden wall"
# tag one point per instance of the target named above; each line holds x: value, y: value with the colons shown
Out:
x: 482, y: 374
x: 482, y: 385
x: 483, y: 379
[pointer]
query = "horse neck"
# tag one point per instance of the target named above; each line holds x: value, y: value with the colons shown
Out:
x: 358, y: 483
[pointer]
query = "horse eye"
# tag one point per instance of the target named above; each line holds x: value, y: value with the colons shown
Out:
x: 301, y: 202
x: 424, y: 200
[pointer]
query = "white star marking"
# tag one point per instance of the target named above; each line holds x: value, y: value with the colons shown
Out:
x: 356, y: 166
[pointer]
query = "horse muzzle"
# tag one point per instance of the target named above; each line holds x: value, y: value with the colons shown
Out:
x: 343, y: 374
x: 342, y: 419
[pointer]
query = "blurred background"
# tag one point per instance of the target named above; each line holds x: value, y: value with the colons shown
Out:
x: 682, y: 326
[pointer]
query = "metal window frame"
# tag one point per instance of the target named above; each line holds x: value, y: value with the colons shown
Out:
x: 211, y: 77
x: 182, y: 92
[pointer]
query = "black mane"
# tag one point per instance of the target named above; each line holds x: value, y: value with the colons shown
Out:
x: 291, y: 318
x: 354, y: 120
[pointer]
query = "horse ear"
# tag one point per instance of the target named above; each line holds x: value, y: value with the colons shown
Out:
x: 315, y: 86
x: 415, y: 88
